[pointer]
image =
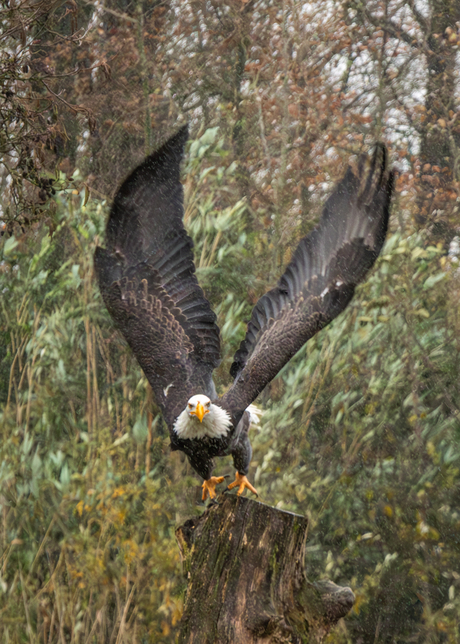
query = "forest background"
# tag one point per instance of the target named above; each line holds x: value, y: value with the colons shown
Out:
x: 361, y: 430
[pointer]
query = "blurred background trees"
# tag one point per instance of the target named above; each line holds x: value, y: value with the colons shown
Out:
x: 361, y: 431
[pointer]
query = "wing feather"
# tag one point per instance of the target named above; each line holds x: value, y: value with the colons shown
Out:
x: 147, y: 279
x: 318, y: 283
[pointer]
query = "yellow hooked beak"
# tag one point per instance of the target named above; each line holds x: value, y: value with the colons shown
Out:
x: 200, y: 411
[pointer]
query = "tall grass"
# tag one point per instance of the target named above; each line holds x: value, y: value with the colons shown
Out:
x: 361, y: 433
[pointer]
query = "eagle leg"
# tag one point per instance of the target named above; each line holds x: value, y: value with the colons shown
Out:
x: 209, y: 487
x: 242, y: 482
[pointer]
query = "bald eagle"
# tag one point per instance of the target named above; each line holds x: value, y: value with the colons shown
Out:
x: 147, y: 278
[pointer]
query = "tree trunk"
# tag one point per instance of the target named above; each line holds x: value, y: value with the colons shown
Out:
x: 246, y: 578
x: 440, y: 128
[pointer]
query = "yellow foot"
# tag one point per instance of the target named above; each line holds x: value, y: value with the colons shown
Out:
x: 242, y: 482
x: 209, y: 487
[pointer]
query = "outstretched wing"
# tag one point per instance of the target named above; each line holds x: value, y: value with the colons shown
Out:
x: 147, y: 280
x: 318, y: 283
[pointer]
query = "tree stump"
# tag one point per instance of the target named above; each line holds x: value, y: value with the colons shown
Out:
x: 246, y: 578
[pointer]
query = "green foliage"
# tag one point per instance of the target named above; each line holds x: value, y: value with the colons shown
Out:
x: 360, y: 433
x: 88, y: 511
x: 368, y: 423
x: 222, y: 249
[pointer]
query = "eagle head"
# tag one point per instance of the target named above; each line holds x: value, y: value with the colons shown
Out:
x: 202, y: 418
x: 198, y: 406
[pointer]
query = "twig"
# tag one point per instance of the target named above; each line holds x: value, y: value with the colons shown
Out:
x: 74, y: 108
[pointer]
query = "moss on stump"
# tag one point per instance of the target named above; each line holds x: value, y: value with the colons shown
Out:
x: 246, y: 578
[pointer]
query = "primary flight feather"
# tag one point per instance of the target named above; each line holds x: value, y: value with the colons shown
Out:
x: 147, y: 279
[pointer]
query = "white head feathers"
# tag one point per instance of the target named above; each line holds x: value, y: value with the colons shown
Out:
x: 202, y: 418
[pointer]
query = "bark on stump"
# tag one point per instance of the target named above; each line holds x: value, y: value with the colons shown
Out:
x: 246, y: 579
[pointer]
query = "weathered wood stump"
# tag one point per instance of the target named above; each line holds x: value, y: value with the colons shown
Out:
x: 245, y: 564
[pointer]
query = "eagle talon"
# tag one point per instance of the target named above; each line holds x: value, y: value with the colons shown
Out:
x: 209, y: 487
x: 242, y: 482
